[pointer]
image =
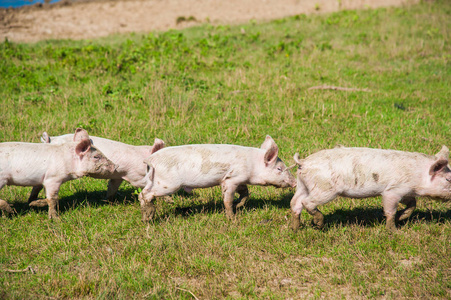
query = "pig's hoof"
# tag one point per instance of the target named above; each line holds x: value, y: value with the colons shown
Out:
x: 54, y: 217
x: 391, y: 228
x: 240, y: 203
x: 230, y: 216
x: 38, y: 203
x: 6, y: 207
x: 294, y: 228
x: 406, y: 214
x: 390, y: 224
x: 148, y: 213
x: 318, y: 224
x: 295, y: 225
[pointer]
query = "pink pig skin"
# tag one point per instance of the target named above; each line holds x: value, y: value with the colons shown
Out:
x: 397, y: 176
x: 202, y: 166
x: 49, y: 166
x: 129, y: 160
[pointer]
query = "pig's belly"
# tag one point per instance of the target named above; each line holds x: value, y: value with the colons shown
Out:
x: 361, y: 193
x: 189, y: 181
x: 25, y: 180
x: 202, y: 181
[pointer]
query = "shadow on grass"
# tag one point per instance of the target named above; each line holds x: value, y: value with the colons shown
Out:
x: 363, y: 216
x: 371, y: 217
x: 217, y: 205
x: 94, y: 198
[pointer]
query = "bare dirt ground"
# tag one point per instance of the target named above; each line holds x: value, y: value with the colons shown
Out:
x: 71, y: 19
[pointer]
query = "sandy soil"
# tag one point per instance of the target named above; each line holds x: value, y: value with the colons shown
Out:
x: 89, y: 19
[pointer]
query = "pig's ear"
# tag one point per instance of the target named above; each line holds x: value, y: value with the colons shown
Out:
x: 80, y: 134
x: 443, y: 154
x: 157, y: 145
x: 268, y: 143
x: 83, y: 147
x: 438, y: 166
x: 45, y: 138
x: 271, y: 150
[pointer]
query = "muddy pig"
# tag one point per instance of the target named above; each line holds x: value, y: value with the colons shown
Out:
x: 397, y: 176
x: 127, y: 158
x: 49, y: 166
x: 203, y: 166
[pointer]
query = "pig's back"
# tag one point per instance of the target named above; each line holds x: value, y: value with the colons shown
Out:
x: 200, y: 165
x: 365, y: 167
x: 25, y: 163
x: 368, y: 156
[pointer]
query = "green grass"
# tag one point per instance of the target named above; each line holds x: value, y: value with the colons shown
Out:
x: 233, y: 84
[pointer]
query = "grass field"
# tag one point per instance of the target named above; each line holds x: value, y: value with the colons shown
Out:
x: 233, y: 84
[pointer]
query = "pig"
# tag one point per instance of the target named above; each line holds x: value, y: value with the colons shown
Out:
x: 208, y: 165
x: 397, y: 176
x: 49, y: 166
x: 128, y: 159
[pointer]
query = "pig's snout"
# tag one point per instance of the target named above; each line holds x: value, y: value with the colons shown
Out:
x: 291, y: 180
x: 107, y: 167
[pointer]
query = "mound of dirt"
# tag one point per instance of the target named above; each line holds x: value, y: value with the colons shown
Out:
x: 69, y: 19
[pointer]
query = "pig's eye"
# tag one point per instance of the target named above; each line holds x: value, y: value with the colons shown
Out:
x: 97, y: 157
x: 279, y: 169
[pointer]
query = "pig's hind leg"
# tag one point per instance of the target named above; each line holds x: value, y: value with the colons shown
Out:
x: 243, y: 191
x: 390, y: 201
x: 311, y: 201
x: 150, y: 191
x: 411, y: 204
x: 228, y: 191
x: 33, y: 199
x: 147, y: 196
x: 148, y: 208
x: 296, y: 206
x: 34, y: 193
x: 4, y: 206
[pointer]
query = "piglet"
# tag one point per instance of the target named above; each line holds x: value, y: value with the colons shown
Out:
x: 203, y: 166
x: 397, y: 176
x: 49, y: 166
x: 127, y: 158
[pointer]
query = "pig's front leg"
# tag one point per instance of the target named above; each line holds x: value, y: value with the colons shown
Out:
x: 51, y: 191
x: 228, y: 191
x: 34, y: 193
x: 411, y: 204
x: 113, y: 186
x: 243, y: 191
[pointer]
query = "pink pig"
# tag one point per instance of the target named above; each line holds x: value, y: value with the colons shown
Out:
x: 128, y: 159
x: 202, y: 166
x: 49, y: 166
x: 363, y: 172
